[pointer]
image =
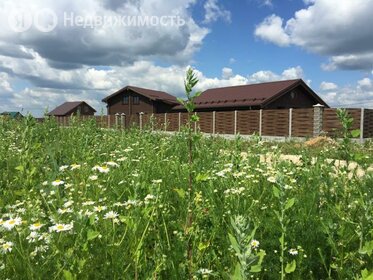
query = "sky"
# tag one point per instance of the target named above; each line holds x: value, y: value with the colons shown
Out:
x: 71, y: 50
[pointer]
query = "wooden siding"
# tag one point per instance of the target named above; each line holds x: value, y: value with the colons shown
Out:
x: 275, y: 123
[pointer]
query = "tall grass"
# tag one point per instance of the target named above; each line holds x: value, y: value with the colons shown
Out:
x: 88, y: 203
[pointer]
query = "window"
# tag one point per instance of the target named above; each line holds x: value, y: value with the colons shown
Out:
x: 136, y: 100
x: 126, y: 100
x: 86, y: 109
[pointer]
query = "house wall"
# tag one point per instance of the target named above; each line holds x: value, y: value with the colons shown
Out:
x: 296, y: 98
x: 82, y: 110
x: 147, y: 106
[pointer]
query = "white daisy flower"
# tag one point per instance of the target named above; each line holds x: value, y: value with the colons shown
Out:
x: 36, y: 226
x: 7, y: 247
x: 111, y: 215
x: 57, y: 183
x: 11, y: 223
x: 61, y: 227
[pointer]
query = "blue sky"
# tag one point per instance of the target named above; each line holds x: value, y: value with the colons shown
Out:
x: 328, y: 43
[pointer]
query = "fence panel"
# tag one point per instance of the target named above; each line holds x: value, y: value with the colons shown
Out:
x: 302, y: 124
x: 225, y: 122
x: 275, y: 123
x: 248, y: 122
x: 205, y: 122
x: 331, y: 124
x: 368, y: 123
x: 172, y: 122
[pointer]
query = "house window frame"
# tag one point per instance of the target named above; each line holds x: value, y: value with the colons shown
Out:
x: 136, y: 100
x: 126, y: 100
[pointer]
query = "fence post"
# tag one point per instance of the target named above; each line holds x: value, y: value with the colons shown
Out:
x: 213, y: 122
x: 362, y: 116
x: 140, y: 119
x: 179, y: 121
x: 260, y: 122
x: 123, y: 120
x: 195, y: 124
x: 165, y: 121
x: 117, y: 120
x: 108, y: 121
x: 318, y: 110
x: 290, y: 122
x: 152, y: 121
x: 235, y: 122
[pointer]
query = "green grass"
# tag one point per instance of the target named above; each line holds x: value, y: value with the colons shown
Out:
x: 311, y: 220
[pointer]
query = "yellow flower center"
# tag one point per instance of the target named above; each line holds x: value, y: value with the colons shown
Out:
x: 60, y: 227
x: 12, y: 222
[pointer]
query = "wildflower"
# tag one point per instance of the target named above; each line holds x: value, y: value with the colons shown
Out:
x: 112, y: 164
x: 63, y: 167
x: 271, y: 179
x: 87, y: 203
x: 103, y: 169
x: 93, y: 178
x: 64, y: 210
x: 204, y: 271
x: 157, y: 181
x: 61, y: 227
x: 111, y: 215
x: 36, y: 226
x: 33, y: 236
x: 58, y: 183
x: 75, y: 166
x: 7, y: 247
x: 99, y: 208
x: 254, y: 244
x: 11, y: 223
x: 293, y: 252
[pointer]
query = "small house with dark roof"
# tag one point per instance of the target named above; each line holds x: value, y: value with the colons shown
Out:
x: 73, y: 108
x: 12, y: 115
x: 272, y: 95
x: 133, y: 100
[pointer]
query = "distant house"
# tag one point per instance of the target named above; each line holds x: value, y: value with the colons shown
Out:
x: 132, y: 100
x: 73, y: 108
x: 272, y: 95
x: 12, y: 115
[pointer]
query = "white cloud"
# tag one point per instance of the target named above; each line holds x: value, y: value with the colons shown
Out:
x: 340, y: 29
x: 214, y: 12
x: 326, y: 86
x: 358, y: 95
x: 68, y: 47
x: 4, y: 82
x: 227, y: 73
x: 271, y: 30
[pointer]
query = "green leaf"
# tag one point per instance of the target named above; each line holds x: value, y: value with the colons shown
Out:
x: 290, y: 267
x: 202, y: 177
x: 276, y: 192
x: 256, y: 268
x: 91, y: 234
x: 289, y: 203
x: 180, y: 192
x: 355, y: 133
x: 234, y: 243
x: 20, y: 168
x: 237, y: 273
x: 67, y: 275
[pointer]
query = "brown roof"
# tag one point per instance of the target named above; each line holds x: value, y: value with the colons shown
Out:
x: 149, y: 93
x: 66, y: 108
x: 248, y: 95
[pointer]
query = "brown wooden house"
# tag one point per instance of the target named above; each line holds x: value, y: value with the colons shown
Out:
x: 133, y: 100
x: 73, y: 108
x: 272, y: 95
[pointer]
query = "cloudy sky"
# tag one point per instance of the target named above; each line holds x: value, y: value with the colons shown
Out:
x: 68, y: 50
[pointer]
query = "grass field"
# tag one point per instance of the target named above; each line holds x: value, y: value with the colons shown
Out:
x: 88, y: 203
